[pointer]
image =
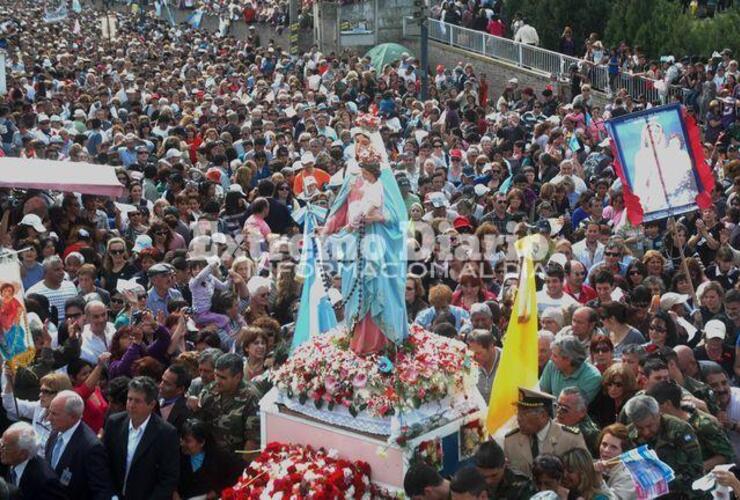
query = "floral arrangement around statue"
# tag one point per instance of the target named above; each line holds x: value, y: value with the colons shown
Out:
x: 426, y: 368
x: 288, y: 471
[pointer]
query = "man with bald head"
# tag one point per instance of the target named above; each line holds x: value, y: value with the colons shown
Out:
x: 583, y: 325
x: 97, y: 335
x: 687, y: 362
x: 74, y: 452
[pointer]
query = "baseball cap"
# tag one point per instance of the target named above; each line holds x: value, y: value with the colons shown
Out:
x: 462, y: 222
x: 34, y: 221
x: 715, y: 329
x: 670, y: 299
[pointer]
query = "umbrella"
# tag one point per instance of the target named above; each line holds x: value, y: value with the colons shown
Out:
x: 385, y: 53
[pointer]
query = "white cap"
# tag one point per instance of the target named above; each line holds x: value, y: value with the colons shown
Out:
x: 143, y: 241
x: 670, y: 299
x: 236, y: 188
x: 715, y: 329
x: 307, y: 158
x: 173, y: 153
x: 558, y: 258
x: 33, y: 221
x: 481, y: 189
x: 43, y: 118
x: 219, y: 238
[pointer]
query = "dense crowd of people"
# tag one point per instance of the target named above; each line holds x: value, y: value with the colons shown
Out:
x: 158, y: 316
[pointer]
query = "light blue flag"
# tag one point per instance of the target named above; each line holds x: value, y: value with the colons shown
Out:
x: 76, y: 7
x: 195, y: 18
x: 316, y: 314
x: 589, y: 120
x: 158, y: 9
x: 573, y: 143
x: 168, y: 11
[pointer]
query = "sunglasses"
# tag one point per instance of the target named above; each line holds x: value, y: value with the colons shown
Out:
x: 410, y: 288
x: 117, y: 301
x: 612, y: 254
x: 635, y: 272
x: 161, y: 233
x: 660, y: 329
x: 285, y: 188
x: 117, y: 252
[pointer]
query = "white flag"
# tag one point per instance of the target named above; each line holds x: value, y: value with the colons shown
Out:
x: 77, y: 29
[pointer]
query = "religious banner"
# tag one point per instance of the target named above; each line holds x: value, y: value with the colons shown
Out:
x: 659, y: 163
x: 16, y: 342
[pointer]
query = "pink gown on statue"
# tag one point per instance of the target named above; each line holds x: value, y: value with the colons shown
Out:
x: 367, y: 338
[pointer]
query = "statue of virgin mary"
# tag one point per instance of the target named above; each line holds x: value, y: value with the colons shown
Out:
x: 368, y: 218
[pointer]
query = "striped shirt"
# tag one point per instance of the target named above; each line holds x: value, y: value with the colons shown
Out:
x: 57, y: 297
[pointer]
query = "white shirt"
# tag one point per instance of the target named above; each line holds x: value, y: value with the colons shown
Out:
x: 542, y: 435
x: 93, y: 345
x: 19, y: 469
x: 527, y: 34
x: 583, y: 255
x: 544, y: 301
x: 65, y: 437
x: 134, y: 437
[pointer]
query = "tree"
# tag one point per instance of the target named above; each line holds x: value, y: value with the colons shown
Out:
x: 550, y: 18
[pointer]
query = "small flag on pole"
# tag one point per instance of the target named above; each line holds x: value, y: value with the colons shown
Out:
x: 195, y: 18
x: 76, y: 7
x: 573, y: 143
x: 77, y: 28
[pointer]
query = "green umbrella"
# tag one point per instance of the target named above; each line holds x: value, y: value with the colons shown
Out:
x: 385, y: 53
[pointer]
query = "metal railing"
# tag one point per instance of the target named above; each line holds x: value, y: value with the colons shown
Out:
x: 542, y: 60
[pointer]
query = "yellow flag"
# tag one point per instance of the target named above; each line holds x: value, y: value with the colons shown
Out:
x: 518, y: 365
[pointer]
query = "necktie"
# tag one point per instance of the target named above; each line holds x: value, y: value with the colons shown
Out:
x: 57, y: 451
x: 13, y: 476
x: 535, y: 446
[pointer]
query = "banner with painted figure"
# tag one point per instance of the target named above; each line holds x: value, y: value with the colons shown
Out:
x: 55, y: 11
x: 661, y: 168
x: 16, y: 342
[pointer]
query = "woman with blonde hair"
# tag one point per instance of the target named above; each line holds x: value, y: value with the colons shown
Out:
x: 582, y: 479
x: 116, y: 265
x: 35, y: 411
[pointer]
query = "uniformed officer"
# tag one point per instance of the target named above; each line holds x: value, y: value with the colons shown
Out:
x: 230, y: 406
x: 673, y: 440
x: 572, y: 411
x: 715, y: 445
x: 537, y: 432
x: 501, y: 481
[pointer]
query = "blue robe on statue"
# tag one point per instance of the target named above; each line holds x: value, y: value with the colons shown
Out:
x: 378, y: 301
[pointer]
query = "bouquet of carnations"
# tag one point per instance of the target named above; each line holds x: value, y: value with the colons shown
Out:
x: 287, y: 471
x: 427, y: 368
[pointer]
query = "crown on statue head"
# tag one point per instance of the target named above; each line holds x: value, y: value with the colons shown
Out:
x: 367, y: 156
x: 368, y: 122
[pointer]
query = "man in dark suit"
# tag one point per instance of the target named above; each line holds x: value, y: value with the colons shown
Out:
x: 172, y: 403
x: 74, y: 451
x: 26, y: 470
x: 143, y: 449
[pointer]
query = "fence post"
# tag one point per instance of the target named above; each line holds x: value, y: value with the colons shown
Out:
x: 484, y: 38
x: 519, y: 46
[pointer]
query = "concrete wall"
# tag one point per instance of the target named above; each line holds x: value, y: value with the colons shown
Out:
x: 498, y: 72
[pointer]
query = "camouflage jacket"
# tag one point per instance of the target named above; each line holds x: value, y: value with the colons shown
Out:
x: 712, y: 437
x: 702, y: 391
x: 513, y: 486
x: 677, y: 445
x: 590, y: 434
x: 233, y: 419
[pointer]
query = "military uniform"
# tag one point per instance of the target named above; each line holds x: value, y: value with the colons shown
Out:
x: 234, y: 419
x: 521, y: 449
x: 711, y: 435
x: 513, y: 486
x: 590, y: 434
x: 677, y: 445
x: 702, y: 391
